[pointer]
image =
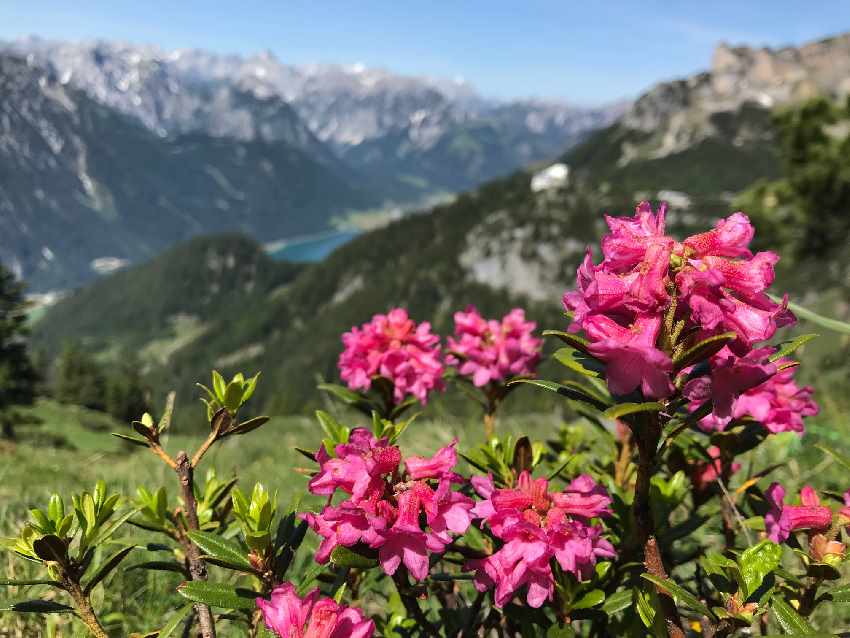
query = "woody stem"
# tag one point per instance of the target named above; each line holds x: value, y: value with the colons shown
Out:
x: 647, y: 434
x: 197, y: 567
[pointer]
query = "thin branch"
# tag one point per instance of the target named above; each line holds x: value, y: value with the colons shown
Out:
x: 197, y: 567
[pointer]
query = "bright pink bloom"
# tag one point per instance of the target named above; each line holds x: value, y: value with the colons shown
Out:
x: 730, y: 237
x: 779, y: 404
x: 705, y: 473
x: 291, y: 616
x: 438, y: 466
x: 536, y: 527
x: 394, y: 347
x: 749, y: 386
x: 386, y: 506
x: 724, y: 284
x: 783, y: 519
x: 633, y: 360
x: 719, y: 285
x: 490, y: 351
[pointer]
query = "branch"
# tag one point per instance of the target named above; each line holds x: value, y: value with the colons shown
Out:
x: 197, y: 567
x: 647, y: 434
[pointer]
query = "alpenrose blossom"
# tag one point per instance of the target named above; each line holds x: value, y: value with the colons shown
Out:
x: 493, y: 351
x: 782, y: 519
x: 751, y: 387
x: 534, y: 527
x: 290, y: 616
x: 394, y: 347
x: 406, y: 515
x: 717, y: 283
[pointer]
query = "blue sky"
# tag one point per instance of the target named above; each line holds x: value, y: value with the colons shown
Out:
x: 583, y: 51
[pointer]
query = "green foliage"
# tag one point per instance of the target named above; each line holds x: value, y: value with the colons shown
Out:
x: 17, y: 374
x: 116, y: 388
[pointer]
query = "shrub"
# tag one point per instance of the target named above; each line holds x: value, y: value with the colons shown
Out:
x: 670, y: 373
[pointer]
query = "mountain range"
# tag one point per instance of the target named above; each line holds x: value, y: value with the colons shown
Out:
x: 110, y: 152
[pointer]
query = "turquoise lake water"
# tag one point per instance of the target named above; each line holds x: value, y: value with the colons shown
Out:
x: 313, y: 249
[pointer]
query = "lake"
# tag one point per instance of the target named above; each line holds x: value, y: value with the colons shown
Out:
x: 313, y: 248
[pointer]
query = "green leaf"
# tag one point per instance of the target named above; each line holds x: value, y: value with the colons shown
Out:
x: 219, y: 385
x: 342, y: 556
x: 26, y: 583
x: 51, y: 548
x: 226, y: 551
x: 165, y: 421
x: 572, y: 340
x: 337, y: 432
x: 233, y: 396
x: 36, y: 607
x: 246, y: 426
x: 790, y: 621
x: 175, y: 619
x: 703, y: 350
x: 135, y: 440
x: 579, y: 362
x: 680, y: 594
x: 791, y: 346
x: 819, y: 320
x: 219, y: 594
x: 107, y: 568
x: 757, y: 562
x: 569, y: 390
x: 591, y: 599
x: 618, y: 601
x: 625, y: 409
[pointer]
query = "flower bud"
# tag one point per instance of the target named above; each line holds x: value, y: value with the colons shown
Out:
x: 826, y: 551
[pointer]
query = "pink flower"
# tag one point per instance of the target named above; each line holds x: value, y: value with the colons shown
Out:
x: 779, y: 404
x: 490, y: 351
x: 783, y: 519
x: 583, y: 498
x: 730, y: 237
x: 291, y: 616
x: 633, y: 360
x: 438, y: 466
x: 750, y: 387
x: 705, y: 473
x: 718, y: 285
x: 394, y: 347
x: 535, y: 529
x: 406, y: 516
x: 724, y: 284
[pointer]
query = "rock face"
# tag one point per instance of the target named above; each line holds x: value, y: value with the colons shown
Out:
x: 83, y: 187
x: 679, y: 114
x: 411, y: 135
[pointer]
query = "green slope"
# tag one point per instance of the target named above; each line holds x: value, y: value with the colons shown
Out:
x: 499, y: 246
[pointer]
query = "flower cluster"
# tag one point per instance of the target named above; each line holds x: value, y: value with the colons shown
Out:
x: 751, y: 386
x: 491, y: 351
x: 536, y: 526
x: 394, y: 347
x: 290, y: 616
x: 716, y: 283
x: 385, y: 504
